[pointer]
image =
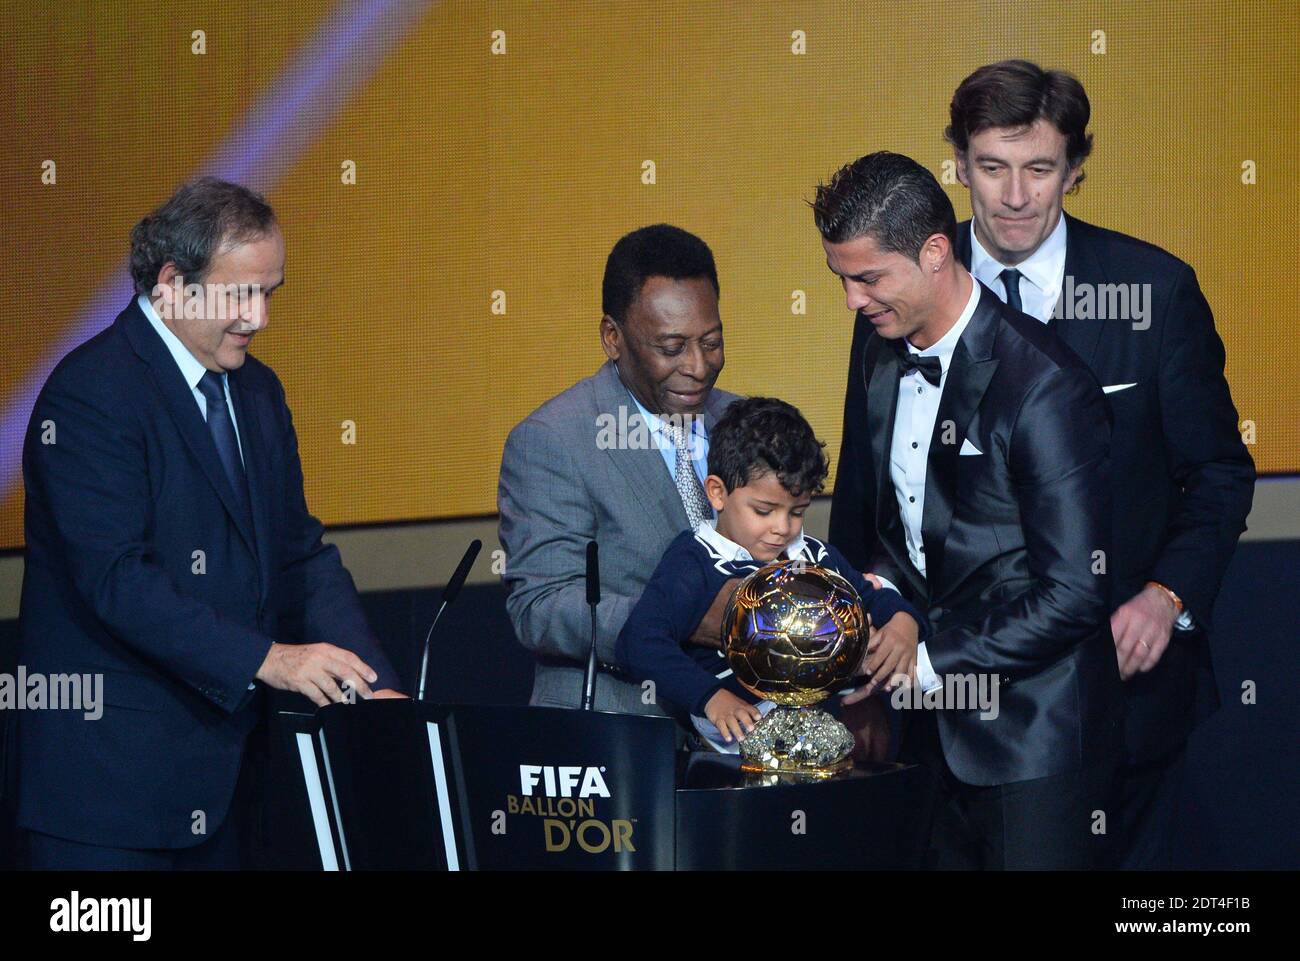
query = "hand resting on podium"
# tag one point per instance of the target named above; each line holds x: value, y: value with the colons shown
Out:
x: 319, y: 671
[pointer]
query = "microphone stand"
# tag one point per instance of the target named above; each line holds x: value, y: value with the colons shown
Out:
x: 593, y: 598
x: 448, y: 595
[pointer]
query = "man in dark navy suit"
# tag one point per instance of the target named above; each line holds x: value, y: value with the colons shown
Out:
x: 170, y: 550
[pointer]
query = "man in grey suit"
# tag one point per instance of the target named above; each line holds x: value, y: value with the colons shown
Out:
x: 619, y: 458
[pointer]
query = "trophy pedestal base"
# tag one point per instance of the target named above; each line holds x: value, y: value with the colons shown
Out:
x: 797, y: 740
x: 801, y: 771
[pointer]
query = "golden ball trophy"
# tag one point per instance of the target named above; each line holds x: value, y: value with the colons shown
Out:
x: 793, y: 633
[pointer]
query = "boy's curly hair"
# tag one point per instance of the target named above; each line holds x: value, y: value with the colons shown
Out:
x: 760, y: 435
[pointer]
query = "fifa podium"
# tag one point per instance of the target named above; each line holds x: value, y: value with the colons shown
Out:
x: 399, y: 784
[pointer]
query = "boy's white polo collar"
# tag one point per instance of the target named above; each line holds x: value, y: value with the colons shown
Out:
x: 731, y: 551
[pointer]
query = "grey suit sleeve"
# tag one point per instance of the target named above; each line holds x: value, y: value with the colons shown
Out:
x: 547, y: 518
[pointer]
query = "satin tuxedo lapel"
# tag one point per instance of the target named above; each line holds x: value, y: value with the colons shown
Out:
x: 967, y: 379
x: 184, y: 412
x: 880, y: 371
x: 634, y: 450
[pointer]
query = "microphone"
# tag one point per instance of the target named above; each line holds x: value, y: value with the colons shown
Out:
x: 593, y: 598
x: 448, y: 595
x: 450, y: 592
x: 593, y: 573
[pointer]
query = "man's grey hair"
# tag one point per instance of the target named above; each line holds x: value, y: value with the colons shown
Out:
x: 192, y: 226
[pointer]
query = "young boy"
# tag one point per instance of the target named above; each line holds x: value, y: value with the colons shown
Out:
x: 765, y: 465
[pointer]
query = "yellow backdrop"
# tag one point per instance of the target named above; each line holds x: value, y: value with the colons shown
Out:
x: 516, y: 171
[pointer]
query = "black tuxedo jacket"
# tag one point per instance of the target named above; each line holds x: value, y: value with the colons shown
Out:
x: 1011, y: 536
x: 117, y: 509
x: 1181, y: 478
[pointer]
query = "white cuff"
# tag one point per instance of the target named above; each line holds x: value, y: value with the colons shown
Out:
x: 925, y: 675
x: 887, y: 584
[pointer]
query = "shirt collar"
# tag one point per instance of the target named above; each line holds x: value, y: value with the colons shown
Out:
x: 945, y: 345
x: 730, y: 551
x: 1043, y: 268
x: 191, y: 369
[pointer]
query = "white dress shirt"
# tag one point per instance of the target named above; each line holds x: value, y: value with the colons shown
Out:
x: 918, y: 405
x: 1043, y: 272
x: 909, y: 453
x: 191, y: 369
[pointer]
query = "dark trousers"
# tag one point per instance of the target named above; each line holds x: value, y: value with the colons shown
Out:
x: 1049, y: 823
x: 1149, y: 798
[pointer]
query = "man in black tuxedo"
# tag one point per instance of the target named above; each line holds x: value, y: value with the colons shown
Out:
x: 170, y: 551
x: 972, y: 477
x: 1181, y: 478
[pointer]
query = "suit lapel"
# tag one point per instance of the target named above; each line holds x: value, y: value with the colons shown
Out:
x: 962, y: 246
x: 1081, y: 267
x: 256, y: 468
x: 880, y: 371
x: 184, y: 412
x: 634, y: 450
x: 968, y: 378
x: 713, y: 409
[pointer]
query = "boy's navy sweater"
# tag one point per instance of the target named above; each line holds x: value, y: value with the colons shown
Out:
x: 653, y: 644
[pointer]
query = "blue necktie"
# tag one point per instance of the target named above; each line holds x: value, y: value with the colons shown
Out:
x: 223, y: 433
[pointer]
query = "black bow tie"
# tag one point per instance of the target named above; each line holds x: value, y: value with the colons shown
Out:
x: 931, y: 368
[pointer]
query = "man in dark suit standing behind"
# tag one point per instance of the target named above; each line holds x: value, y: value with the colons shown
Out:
x: 972, y: 477
x: 1182, y: 480
x: 170, y: 550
